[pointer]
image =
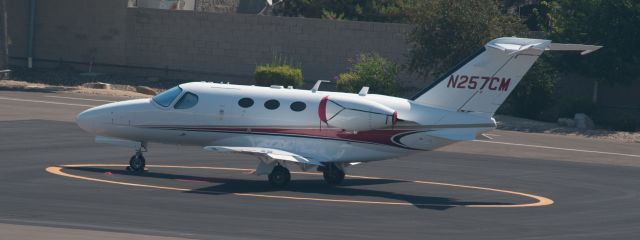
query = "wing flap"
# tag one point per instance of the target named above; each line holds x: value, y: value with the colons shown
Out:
x: 269, y: 153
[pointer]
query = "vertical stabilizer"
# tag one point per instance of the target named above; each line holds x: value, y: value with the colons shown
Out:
x: 482, y: 83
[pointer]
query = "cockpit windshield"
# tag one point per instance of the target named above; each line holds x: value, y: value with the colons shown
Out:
x: 166, y: 98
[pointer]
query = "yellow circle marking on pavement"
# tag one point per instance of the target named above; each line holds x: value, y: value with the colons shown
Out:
x: 540, y: 201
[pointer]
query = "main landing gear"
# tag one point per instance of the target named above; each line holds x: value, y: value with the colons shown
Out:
x: 332, y: 174
x: 137, y: 162
x: 279, y: 176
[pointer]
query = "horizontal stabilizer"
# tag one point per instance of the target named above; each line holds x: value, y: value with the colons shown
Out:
x: 586, y: 49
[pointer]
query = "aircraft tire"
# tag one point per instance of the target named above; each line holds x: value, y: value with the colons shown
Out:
x: 279, y: 176
x: 136, y: 163
x: 333, y: 175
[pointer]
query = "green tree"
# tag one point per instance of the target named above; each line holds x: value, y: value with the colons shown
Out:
x: 445, y: 32
x: 613, y: 24
x: 371, y: 70
x: 359, y: 10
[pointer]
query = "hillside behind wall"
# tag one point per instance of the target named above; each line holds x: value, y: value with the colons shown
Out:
x: 194, y: 46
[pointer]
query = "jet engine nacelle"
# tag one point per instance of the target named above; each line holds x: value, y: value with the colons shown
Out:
x: 355, y: 114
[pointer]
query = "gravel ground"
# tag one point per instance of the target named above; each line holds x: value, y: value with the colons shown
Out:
x: 68, y: 76
x: 116, y: 91
x: 528, y: 125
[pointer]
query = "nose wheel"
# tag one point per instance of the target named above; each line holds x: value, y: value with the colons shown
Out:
x: 279, y: 176
x: 137, y: 163
x: 332, y: 174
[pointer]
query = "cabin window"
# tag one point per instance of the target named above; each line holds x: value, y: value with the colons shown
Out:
x: 188, y: 100
x: 166, y: 98
x: 298, y: 106
x: 272, y: 104
x: 245, y: 102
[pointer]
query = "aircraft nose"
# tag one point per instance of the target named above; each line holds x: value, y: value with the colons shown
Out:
x: 89, y: 119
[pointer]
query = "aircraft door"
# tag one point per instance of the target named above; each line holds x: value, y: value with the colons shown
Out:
x: 215, y: 112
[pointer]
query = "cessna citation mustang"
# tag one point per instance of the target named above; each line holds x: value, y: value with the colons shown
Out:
x: 313, y: 129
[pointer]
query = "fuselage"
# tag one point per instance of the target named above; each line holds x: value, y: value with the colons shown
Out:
x: 325, y: 126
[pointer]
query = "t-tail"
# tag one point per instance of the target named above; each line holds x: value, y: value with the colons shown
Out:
x: 481, y: 83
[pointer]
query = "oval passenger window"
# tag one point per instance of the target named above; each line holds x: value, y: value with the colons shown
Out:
x: 272, y: 104
x: 245, y: 102
x: 298, y: 106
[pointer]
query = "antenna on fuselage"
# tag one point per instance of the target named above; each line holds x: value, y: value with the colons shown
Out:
x: 363, y: 92
x: 317, y: 85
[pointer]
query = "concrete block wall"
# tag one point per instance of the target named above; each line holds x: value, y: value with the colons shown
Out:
x: 193, y: 45
x: 70, y: 30
x: 18, y: 20
x: 233, y: 44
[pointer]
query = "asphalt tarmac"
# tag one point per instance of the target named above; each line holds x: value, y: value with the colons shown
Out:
x: 56, y: 183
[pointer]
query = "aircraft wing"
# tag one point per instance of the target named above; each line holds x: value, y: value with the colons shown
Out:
x: 269, y: 153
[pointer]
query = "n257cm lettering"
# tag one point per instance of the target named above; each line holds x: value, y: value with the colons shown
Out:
x: 478, y: 82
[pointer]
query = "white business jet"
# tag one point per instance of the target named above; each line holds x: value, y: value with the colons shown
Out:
x: 327, y: 131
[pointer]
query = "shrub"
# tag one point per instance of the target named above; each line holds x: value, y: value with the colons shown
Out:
x: 569, y: 107
x: 534, y: 93
x: 285, y: 75
x: 371, y: 70
x: 279, y: 72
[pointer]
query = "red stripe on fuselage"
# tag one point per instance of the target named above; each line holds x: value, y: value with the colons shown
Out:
x: 372, y: 136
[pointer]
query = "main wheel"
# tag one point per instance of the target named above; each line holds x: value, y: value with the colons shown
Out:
x: 333, y: 175
x: 137, y: 163
x: 279, y: 176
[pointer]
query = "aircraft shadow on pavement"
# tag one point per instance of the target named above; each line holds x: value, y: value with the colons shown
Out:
x: 309, y: 186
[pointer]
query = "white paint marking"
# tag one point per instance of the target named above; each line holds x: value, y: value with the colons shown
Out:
x: 557, y: 148
x: 85, y: 99
x: 38, y: 101
x: 487, y: 136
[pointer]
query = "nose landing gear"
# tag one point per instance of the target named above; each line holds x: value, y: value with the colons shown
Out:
x: 137, y: 163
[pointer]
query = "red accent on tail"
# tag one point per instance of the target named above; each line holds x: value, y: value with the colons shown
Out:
x: 394, y: 117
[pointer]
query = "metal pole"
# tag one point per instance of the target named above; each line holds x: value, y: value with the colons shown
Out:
x: 4, y: 62
x: 32, y: 17
x: 4, y: 51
